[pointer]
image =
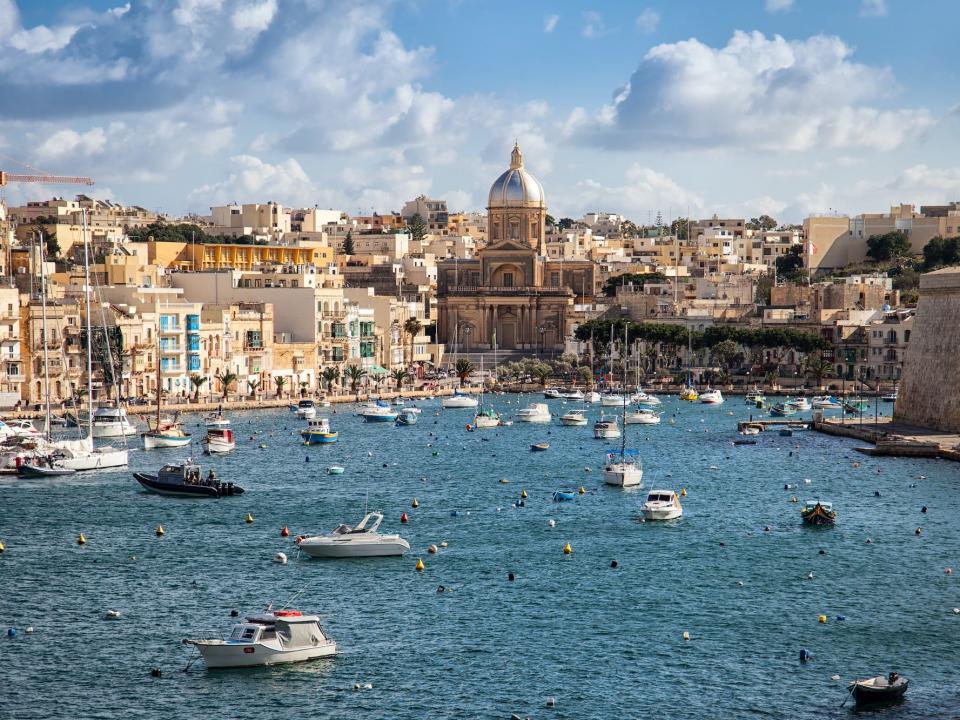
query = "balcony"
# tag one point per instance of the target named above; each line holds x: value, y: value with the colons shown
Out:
x: 508, y: 291
x: 171, y: 349
x: 334, y: 314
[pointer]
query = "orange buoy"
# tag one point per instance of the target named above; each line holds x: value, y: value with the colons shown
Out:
x: 284, y: 531
x: 403, y: 517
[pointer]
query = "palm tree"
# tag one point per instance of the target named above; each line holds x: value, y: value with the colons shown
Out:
x: 354, y: 373
x: 399, y: 377
x: 464, y: 369
x: 226, y: 380
x: 279, y: 381
x: 541, y: 372
x: 197, y: 382
x: 304, y: 384
x: 378, y: 378
x: 252, y: 386
x: 330, y: 376
x: 412, y: 327
x: 817, y: 367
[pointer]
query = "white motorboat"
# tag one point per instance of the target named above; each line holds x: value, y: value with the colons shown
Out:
x: 81, y: 455
x: 574, y: 418
x: 306, y: 409
x: 21, y: 428
x: 571, y: 394
x: 662, y: 505
x: 112, y: 422
x: 378, y: 412
x: 614, y: 400
x: 624, y: 470
x: 458, y: 400
x: 219, y: 440
x: 801, y: 404
x: 711, y: 397
x: 552, y: 393
x: 606, y: 429
x: 535, y: 413
x: 215, y: 420
x: 269, y: 638
x: 751, y: 430
x: 167, y: 436
x: 753, y: 397
x: 591, y: 397
x: 827, y: 402
x: 642, y: 416
x: 345, y: 541
x: 649, y: 400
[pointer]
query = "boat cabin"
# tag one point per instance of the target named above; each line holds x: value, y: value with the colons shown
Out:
x: 320, y: 425
x: 183, y: 473
x: 811, y: 504
x: 663, y: 496
x: 304, y: 404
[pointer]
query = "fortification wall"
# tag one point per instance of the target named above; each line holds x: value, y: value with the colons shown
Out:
x: 929, y: 394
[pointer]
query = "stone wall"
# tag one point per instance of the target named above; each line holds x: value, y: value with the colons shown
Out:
x: 929, y: 394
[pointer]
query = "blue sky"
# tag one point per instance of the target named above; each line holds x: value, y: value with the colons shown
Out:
x: 739, y: 107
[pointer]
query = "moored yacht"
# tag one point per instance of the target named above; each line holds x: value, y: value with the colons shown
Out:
x: 378, y: 412
x: 112, y: 422
x: 827, y: 402
x: 662, y: 505
x: 571, y: 394
x: 801, y: 404
x: 488, y: 418
x: 306, y: 409
x: 346, y: 541
x: 612, y: 399
x: 535, y: 413
x: 711, y: 397
x: 552, y: 393
x: 219, y: 440
x: 458, y: 400
x: 574, y: 418
x: 623, y: 470
x: 592, y: 397
x: 643, y: 416
x: 268, y: 638
x: 606, y: 429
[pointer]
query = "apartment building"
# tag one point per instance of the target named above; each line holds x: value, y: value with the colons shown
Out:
x: 433, y: 212
x: 12, y: 375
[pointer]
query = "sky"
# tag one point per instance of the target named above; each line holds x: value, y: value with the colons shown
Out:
x: 740, y: 107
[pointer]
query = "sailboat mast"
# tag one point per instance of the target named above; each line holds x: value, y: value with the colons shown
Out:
x: 623, y: 417
x: 86, y: 295
x: 43, y: 316
x: 157, y: 428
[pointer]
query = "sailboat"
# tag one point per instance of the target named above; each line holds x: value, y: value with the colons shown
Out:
x: 627, y: 471
x: 689, y: 393
x: 68, y: 456
x: 485, y: 417
x: 167, y: 434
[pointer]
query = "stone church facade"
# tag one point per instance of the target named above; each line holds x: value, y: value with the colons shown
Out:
x: 510, y: 294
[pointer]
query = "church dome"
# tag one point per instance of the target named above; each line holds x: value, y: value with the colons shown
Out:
x: 516, y: 187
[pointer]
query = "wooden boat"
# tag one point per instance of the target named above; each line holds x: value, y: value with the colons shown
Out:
x: 185, y: 480
x: 817, y: 512
x: 540, y: 447
x: 318, y: 432
x: 219, y: 440
x: 879, y: 689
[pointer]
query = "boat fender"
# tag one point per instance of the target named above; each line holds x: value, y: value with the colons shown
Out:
x: 280, y: 558
x: 805, y: 655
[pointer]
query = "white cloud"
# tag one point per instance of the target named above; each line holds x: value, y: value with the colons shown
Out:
x: 9, y: 18
x: 256, y: 16
x: 70, y: 143
x: 41, y: 39
x: 873, y: 8
x: 643, y: 192
x: 774, y: 6
x: 285, y: 182
x: 593, y: 25
x: 550, y: 23
x: 648, y: 20
x: 756, y: 92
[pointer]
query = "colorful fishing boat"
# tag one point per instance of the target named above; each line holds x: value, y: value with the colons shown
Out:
x: 818, y: 512
x: 318, y: 432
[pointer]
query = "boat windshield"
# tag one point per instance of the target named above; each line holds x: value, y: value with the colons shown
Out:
x: 245, y: 633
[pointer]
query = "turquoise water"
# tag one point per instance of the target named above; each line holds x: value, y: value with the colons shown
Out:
x: 604, y: 642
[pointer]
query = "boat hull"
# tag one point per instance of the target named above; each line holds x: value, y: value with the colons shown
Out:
x: 642, y: 419
x: 574, y: 422
x: 219, y: 446
x: 818, y: 516
x: 151, y: 483
x: 114, y: 430
x: 378, y: 417
x: 37, y: 471
x: 623, y: 475
x: 866, y: 694
x: 155, y: 441
x: 661, y: 513
x: 486, y: 422
x: 99, y: 459
x: 222, y: 654
x: 335, y: 549
x: 306, y: 413
x: 457, y: 402
x: 318, y: 438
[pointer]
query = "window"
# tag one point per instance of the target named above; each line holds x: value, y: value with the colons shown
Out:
x: 514, y: 230
x: 508, y: 279
x: 555, y: 279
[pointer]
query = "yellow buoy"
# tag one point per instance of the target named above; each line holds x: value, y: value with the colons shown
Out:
x: 414, y: 504
x: 567, y: 549
x: 683, y: 492
x: 81, y: 540
x: 419, y: 566
x: 2, y: 547
x: 159, y: 530
x: 582, y: 490
x: 523, y: 494
x: 822, y: 619
x: 686, y: 635
x: 248, y: 519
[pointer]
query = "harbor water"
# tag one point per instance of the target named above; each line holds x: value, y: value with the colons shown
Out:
x: 604, y: 642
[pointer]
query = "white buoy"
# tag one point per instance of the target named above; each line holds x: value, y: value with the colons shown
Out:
x: 112, y: 614
x: 551, y: 702
x: 834, y: 677
x: 806, y: 481
x: 29, y: 630
x: 368, y: 686
x: 280, y: 558
x: 810, y: 575
x: 551, y: 522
